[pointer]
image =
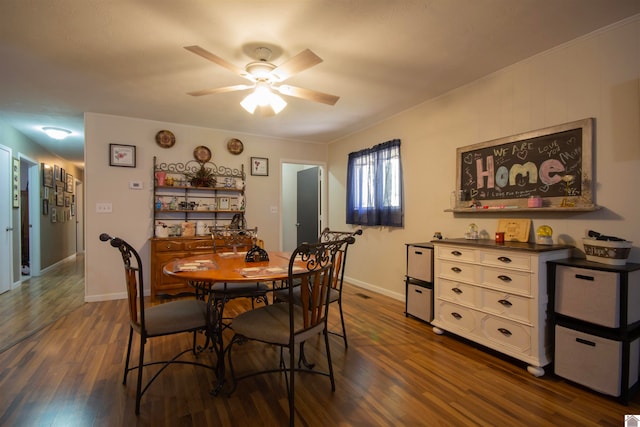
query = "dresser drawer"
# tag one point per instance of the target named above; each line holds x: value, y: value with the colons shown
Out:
x: 199, y: 245
x: 508, y: 280
x: 505, y: 259
x: 456, y: 271
x: 457, y: 292
x: 455, y: 317
x: 455, y: 252
x: 507, y: 334
x: 507, y: 305
x: 168, y: 245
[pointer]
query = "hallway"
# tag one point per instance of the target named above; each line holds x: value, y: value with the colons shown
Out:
x: 40, y: 301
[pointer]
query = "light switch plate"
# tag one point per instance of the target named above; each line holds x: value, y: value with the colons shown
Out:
x: 135, y: 185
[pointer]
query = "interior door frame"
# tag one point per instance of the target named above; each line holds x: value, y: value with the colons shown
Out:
x: 6, y: 259
x: 34, y: 214
x: 323, y: 215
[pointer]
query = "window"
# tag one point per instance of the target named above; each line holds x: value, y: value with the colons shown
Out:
x: 374, y: 186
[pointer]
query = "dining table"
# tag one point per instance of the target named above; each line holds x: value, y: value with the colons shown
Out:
x: 204, y: 270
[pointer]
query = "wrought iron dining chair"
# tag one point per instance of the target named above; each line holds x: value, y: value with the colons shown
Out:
x: 337, y: 281
x: 289, y: 324
x: 235, y: 242
x: 175, y: 317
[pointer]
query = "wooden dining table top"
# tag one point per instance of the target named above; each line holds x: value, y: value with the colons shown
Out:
x: 229, y: 267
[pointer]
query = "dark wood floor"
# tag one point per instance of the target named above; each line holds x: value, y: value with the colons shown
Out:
x: 396, y: 372
x: 41, y: 300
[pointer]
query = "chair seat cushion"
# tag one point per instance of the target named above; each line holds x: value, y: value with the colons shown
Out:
x: 176, y: 316
x: 271, y: 324
x: 283, y: 294
x: 240, y: 288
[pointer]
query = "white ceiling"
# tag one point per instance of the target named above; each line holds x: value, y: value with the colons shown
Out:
x: 59, y: 59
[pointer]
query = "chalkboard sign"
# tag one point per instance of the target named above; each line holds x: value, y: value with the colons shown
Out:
x: 553, y: 163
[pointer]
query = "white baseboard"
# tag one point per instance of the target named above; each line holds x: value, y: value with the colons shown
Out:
x: 376, y: 289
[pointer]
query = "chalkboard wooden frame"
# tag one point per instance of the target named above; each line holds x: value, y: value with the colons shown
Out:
x: 486, y: 176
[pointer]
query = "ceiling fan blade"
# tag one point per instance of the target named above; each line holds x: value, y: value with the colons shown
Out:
x: 300, y: 62
x: 216, y: 59
x: 311, y: 95
x: 220, y: 90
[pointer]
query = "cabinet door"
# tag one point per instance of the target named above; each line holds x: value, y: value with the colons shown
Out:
x: 161, y: 282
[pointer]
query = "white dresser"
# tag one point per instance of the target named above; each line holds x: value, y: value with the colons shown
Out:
x: 496, y: 295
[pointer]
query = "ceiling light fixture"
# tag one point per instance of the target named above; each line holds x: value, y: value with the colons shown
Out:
x: 263, y: 99
x: 56, y: 133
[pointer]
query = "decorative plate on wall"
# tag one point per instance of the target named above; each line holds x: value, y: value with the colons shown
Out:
x: 165, y: 139
x: 235, y: 146
x: 202, y: 154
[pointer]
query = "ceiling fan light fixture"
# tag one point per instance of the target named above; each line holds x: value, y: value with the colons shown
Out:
x: 264, y: 98
x: 56, y: 133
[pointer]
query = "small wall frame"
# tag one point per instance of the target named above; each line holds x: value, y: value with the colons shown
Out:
x: 122, y: 155
x: 260, y: 166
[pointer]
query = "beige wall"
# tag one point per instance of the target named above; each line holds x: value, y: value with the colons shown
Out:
x: 131, y: 218
x: 595, y: 76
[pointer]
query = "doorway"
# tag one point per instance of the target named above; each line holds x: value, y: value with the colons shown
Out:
x: 311, y: 215
x: 29, y: 218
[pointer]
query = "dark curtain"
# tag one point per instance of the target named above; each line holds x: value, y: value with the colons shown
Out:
x: 374, y: 186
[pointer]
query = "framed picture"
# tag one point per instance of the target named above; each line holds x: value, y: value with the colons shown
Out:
x: 63, y: 175
x: 69, y: 184
x: 60, y: 195
x: 45, y: 207
x: 260, y: 166
x: 47, y: 175
x: 54, y: 215
x: 45, y: 193
x: 122, y: 155
x: 553, y: 163
x: 56, y: 172
x: 16, y: 183
x: 223, y: 203
x: 67, y: 201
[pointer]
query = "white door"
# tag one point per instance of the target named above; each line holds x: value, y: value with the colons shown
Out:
x: 6, y: 227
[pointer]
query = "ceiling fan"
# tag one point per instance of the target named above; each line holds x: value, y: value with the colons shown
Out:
x: 265, y: 78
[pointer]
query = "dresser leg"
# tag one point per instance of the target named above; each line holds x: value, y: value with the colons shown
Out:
x: 438, y: 330
x: 536, y: 371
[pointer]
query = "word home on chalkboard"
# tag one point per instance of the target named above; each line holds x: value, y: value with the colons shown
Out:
x: 553, y: 163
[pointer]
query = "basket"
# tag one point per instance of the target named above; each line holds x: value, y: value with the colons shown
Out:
x: 606, y: 251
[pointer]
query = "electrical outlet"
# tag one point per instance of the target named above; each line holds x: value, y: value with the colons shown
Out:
x: 104, y: 207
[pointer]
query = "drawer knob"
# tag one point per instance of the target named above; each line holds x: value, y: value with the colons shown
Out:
x: 505, y: 332
x: 456, y: 290
x: 456, y: 269
x: 504, y: 259
x: 504, y: 278
x: 456, y: 315
x: 168, y: 246
x: 456, y: 253
x: 505, y: 302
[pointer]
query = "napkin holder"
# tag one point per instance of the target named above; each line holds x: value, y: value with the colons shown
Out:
x: 256, y: 254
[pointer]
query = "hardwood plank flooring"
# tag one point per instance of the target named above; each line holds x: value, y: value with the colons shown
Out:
x: 41, y: 300
x: 396, y: 372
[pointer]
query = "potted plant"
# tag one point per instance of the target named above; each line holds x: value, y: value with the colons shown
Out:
x: 202, y: 177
